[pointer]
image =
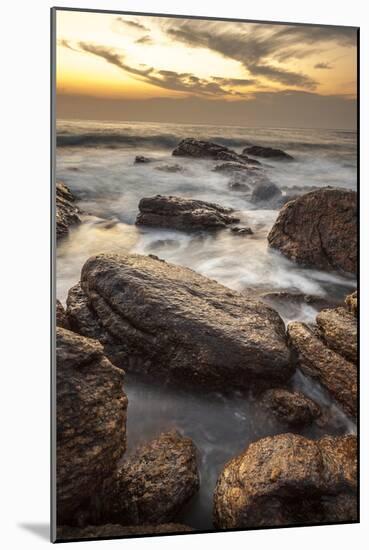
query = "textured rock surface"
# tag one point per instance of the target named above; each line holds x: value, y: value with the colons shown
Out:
x: 338, y: 328
x: 267, y: 152
x: 115, y: 530
x: 351, y: 302
x: 140, y: 159
x: 319, y: 229
x: 181, y: 326
x: 91, y: 419
x: 290, y: 407
x: 288, y: 479
x: 66, y: 211
x: 154, y: 484
x: 315, y: 359
x: 61, y: 316
x: 195, y: 148
x: 180, y: 213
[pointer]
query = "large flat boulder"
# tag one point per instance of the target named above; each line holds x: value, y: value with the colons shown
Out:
x: 180, y: 213
x: 153, y: 484
x: 266, y: 152
x: 195, y: 148
x: 338, y: 328
x: 67, y: 213
x: 180, y: 326
x: 91, y: 422
x: 315, y: 359
x: 319, y: 229
x: 288, y: 479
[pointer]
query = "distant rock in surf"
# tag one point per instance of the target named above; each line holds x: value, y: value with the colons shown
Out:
x: 140, y: 159
x: 67, y: 213
x: 176, y: 325
x: 170, y: 168
x: 319, y: 229
x: 267, y: 152
x: 181, y: 213
x: 265, y: 191
x: 288, y: 479
x: 195, y: 148
x: 242, y: 230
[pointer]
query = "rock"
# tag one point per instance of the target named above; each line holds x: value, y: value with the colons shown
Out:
x: 284, y: 300
x: 351, y: 302
x: 264, y: 191
x: 61, y: 316
x: 170, y: 168
x: 66, y: 211
x: 287, y: 479
x: 315, y: 359
x: 242, y: 230
x: 180, y: 213
x: 237, y: 184
x: 140, y: 159
x: 338, y: 328
x: 290, y: 407
x: 115, y: 530
x: 319, y: 229
x: 195, y: 148
x: 154, y: 484
x: 267, y: 152
x: 229, y: 168
x: 91, y: 422
x: 182, y: 327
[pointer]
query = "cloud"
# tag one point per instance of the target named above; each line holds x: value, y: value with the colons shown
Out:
x: 323, y: 66
x: 168, y: 80
x: 131, y: 23
x: 260, y: 48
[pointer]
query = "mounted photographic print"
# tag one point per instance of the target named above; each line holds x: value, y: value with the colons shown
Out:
x: 204, y: 195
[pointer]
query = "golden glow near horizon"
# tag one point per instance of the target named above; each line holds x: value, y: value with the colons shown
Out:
x: 125, y: 56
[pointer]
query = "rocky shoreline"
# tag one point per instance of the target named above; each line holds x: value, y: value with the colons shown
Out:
x: 133, y: 313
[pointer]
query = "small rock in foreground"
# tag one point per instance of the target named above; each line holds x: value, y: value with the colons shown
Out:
x: 290, y: 407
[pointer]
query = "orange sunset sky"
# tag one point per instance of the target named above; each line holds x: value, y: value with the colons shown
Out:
x: 125, y: 67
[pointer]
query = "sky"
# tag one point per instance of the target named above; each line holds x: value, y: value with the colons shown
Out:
x: 162, y: 69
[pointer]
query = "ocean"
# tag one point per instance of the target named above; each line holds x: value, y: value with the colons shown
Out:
x: 96, y: 161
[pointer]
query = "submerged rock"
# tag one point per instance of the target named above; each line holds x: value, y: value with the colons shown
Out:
x: 179, y: 326
x: 170, y: 168
x: 319, y: 229
x: 290, y: 407
x: 265, y: 191
x: 61, y: 316
x: 67, y: 213
x: 91, y: 422
x: 154, y: 484
x: 315, y: 359
x: 351, y: 302
x: 288, y: 479
x: 180, y: 213
x: 116, y: 530
x: 140, y: 159
x: 195, y: 148
x: 338, y: 328
x: 283, y: 300
x: 267, y: 152
x: 242, y: 230
x: 229, y: 168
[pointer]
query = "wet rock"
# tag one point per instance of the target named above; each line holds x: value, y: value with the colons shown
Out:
x: 338, y: 328
x: 195, y: 148
x: 91, y: 422
x: 115, y: 530
x: 180, y: 213
x: 315, y: 359
x: 67, y: 213
x: 319, y: 229
x: 242, y: 230
x: 154, y: 484
x: 285, y: 480
x: 179, y: 326
x: 351, y: 302
x: 237, y: 184
x: 170, y: 168
x: 284, y: 298
x: 229, y: 168
x: 290, y: 407
x: 61, y: 316
x: 140, y: 159
x: 265, y: 191
x: 267, y: 152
